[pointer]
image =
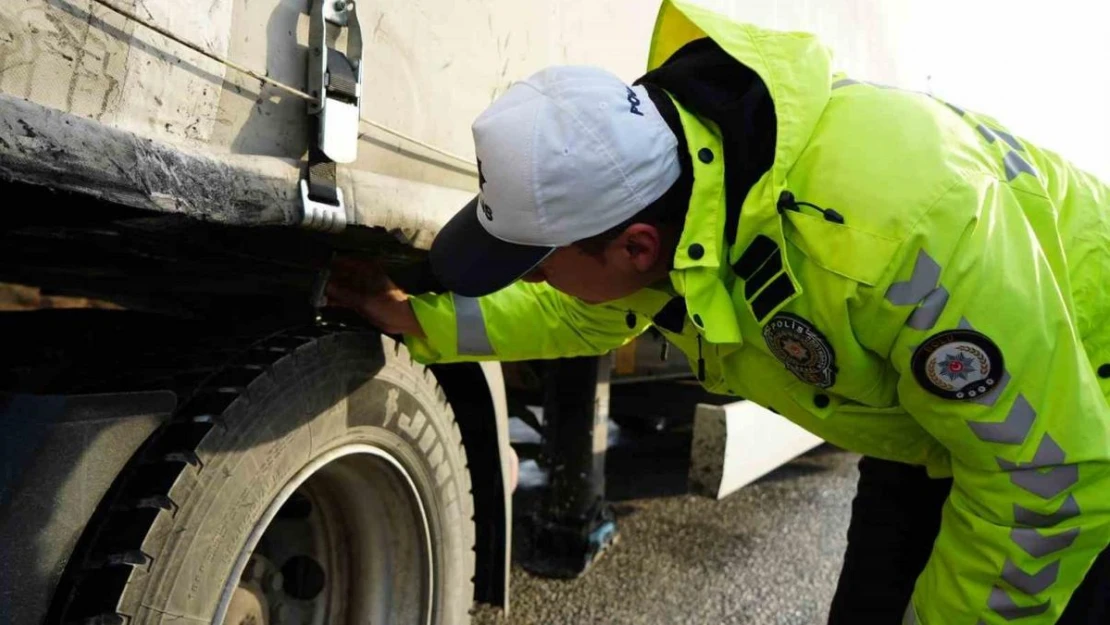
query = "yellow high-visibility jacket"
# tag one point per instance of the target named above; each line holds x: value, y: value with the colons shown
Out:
x: 952, y: 312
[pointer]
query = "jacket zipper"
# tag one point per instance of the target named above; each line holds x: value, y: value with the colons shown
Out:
x: 787, y: 202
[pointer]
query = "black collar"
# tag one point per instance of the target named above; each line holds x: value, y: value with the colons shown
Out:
x: 711, y: 83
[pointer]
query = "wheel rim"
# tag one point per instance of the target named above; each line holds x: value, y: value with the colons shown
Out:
x: 347, y: 540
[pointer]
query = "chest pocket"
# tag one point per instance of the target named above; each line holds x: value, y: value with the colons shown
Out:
x: 840, y: 248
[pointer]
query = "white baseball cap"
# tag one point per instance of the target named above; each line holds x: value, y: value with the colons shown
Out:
x: 562, y: 156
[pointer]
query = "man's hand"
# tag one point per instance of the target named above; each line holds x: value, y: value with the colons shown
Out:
x: 364, y: 287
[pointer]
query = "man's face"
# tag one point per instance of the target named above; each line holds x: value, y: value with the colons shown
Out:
x: 627, y: 264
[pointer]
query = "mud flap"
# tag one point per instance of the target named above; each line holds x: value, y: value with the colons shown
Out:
x: 736, y: 444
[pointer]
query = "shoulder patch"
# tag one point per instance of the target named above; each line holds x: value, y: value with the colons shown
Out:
x: 802, y: 348
x: 957, y: 364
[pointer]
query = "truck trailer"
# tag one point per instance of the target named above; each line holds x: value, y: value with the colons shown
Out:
x: 188, y: 435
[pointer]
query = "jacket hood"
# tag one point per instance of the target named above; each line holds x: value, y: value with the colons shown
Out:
x: 795, y: 67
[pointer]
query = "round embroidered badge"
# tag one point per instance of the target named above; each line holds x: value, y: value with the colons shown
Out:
x: 957, y: 364
x: 804, y: 350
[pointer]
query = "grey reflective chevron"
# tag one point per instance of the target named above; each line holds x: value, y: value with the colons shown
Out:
x: 959, y: 111
x: 1015, y: 165
x: 910, y: 617
x: 1047, y: 476
x: 965, y: 324
x: 471, y: 328
x: 1047, y: 484
x: 1027, y: 517
x: 1048, y: 454
x: 1030, y: 584
x: 844, y: 82
x: 1005, y: 607
x: 990, y: 398
x: 1038, y: 545
x: 987, y: 133
x: 926, y: 315
x: 994, y: 134
x: 926, y: 273
x: 921, y: 289
x: 879, y: 85
x: 1013, y: 430
x: 1009, y: 138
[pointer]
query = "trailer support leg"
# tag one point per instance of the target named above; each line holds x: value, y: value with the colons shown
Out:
x: 574, y: 524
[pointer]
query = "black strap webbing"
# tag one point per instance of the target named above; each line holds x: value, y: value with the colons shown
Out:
x: 342, y: 77
x: 322, y: 181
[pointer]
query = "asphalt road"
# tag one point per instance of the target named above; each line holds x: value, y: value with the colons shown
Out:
x: 767, y: 555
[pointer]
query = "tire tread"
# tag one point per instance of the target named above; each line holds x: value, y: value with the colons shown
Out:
x: 209, y: 382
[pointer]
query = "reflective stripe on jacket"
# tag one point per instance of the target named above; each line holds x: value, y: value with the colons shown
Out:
x: 951, y: 312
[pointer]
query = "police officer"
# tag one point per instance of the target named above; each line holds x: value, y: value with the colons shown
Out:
x: 900, y: 276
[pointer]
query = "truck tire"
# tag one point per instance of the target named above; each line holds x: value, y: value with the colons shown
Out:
x: 319, y: 478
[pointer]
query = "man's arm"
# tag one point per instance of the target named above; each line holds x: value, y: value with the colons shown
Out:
x: 521, y: 322
x: 524, y: 321
x: 1029, y: 440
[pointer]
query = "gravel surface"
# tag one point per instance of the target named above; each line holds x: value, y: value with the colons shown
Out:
x: 767, y: 555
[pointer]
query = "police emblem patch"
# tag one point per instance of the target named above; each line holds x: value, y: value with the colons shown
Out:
x: 957, y: 364
x: 804, y: 350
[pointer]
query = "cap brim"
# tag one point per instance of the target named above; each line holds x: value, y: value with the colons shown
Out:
x: 468, y: 260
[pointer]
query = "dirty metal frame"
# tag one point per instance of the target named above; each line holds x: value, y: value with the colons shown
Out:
x: 574, y: 524
x: 335, y: 80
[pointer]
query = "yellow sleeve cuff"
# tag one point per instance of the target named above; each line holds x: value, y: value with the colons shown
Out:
x: 436, y: 315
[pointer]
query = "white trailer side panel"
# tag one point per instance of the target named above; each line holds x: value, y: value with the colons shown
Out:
x: 433, y: 65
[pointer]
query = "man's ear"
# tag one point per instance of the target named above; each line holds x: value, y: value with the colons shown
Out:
x: 642, y: 244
